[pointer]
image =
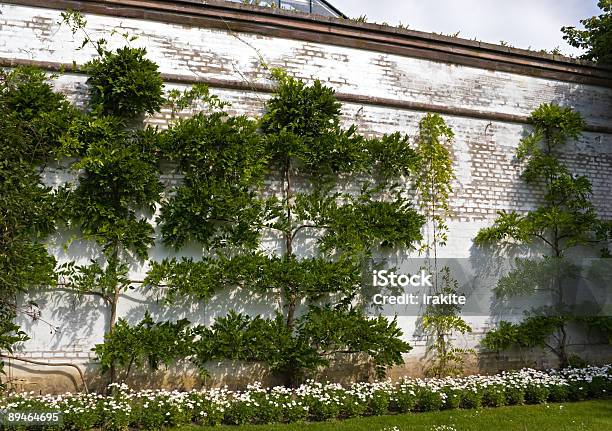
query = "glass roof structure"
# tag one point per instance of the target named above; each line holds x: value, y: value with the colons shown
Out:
x: 318, y: 7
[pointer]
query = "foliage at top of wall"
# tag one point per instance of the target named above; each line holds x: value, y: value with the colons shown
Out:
x: 124, y: 82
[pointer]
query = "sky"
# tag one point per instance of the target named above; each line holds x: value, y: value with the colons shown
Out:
x: 529, y: 24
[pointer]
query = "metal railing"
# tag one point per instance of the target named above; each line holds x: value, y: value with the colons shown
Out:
x: 310, y: 6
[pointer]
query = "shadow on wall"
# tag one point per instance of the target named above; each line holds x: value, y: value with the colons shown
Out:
x: 579, y: 98
x: 492, y: 262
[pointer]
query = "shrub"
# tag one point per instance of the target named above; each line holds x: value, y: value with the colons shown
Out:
x: 536, y: 394
x: 379, y: 403
x: 599, y: 387
x: 453, y: 398
x: 295, y: 411
x: 405, y: 398
x: 494, y: 396
x: 206, y: 410
x: 351, y: 406
x: 515, y: 395
x: 471, y: 398
x: 578, y: 391
x: 428, y: 400
x: 156, y: 410
x: 240, y: 412
x: 558, y: 393
x: 268, y: 410
x: 323, y: 410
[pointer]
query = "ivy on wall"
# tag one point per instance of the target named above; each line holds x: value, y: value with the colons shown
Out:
x: 440, y: 324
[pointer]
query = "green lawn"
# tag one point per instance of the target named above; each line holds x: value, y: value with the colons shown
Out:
x: 582, y: 416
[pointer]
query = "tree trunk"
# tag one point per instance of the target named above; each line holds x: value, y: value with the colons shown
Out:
x: 290, y: 294
x: 111, y: 323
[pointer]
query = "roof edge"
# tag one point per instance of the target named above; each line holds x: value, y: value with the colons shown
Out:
x: 383, y: 28
x: 342, y: 32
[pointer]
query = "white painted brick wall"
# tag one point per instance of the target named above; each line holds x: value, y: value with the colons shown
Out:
x: 487, y: 178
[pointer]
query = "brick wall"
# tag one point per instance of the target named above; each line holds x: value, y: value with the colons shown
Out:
x: 487, y: 177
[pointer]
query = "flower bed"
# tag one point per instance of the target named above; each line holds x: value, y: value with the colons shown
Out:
x: 150, y: 410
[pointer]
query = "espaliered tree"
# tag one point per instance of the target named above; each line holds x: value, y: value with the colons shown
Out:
x: 282, y: 178
x: 34, y: 119
x: 564, y: 220
x: 116, y: 163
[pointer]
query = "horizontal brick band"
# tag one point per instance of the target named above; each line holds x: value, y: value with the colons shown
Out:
x: 344, y: 97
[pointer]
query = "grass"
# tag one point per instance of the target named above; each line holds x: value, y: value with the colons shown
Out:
x: 581, y: 416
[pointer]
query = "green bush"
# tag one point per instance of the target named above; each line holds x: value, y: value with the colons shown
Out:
x: 515, y: 395
x: 428, y: 400
x: 599, y: 387
x: 453, y: 398
x: 268, y: 409
x: 82, y: 417
x: 323, y: 409
x: 379, y: 403
x: 471, y: 398
x: 536, y: 394
x: 578, y: 391
x: 295, y: 411
x: 125, y: 83
x: 207, y: 412
x: 405, y: 399
x: 149, y: 416
x: 352, y: 407
x: 558, y: 393
x: 494, y: 396
x: 240, y: 413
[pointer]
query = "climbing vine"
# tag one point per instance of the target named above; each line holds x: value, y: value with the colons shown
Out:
x: 434, y: 186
